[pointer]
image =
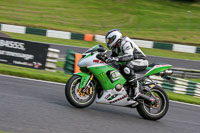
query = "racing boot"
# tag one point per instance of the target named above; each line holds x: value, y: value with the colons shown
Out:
x: 135, y: 93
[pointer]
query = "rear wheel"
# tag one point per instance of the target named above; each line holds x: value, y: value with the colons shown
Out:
x: 156, y: 110
x: 76, y: 96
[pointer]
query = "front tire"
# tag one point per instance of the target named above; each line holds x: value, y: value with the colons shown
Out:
x: 74, y: 94
x: 146, y: 109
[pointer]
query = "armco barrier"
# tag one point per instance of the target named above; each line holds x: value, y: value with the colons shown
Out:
x: 52, y: 57
x: 98, y: 38
x: 180, y: 86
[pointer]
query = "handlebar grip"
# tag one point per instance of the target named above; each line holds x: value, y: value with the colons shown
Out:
x: 101, y: 56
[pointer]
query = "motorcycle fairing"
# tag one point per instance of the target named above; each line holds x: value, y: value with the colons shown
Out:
x: 157, y: 69
x: 84, y: 79
x: 102, y: 74
x: 119, y: 98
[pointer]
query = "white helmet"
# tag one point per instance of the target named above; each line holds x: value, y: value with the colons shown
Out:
x: 113, y: 37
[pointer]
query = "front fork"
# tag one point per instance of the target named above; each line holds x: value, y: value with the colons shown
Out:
x: 87, y: 88
x: 84, y: 86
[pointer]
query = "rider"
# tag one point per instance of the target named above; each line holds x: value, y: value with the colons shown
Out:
x: 125, y: 50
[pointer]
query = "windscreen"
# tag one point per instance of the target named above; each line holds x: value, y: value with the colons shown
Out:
x: 93, y: 49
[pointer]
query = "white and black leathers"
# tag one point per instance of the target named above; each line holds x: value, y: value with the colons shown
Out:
x: 134, y: 58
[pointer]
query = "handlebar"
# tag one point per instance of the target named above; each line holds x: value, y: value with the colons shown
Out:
x: 102, y: 56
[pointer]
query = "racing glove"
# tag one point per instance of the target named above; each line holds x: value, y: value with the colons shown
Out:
x: 112, y: 59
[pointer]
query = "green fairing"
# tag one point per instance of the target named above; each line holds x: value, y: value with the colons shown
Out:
x: 102, y: 77
x: 157, y: 70
x: 84, y: 69
x: 84, y: 79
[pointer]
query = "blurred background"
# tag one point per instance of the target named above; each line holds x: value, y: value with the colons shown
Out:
x: 158, y: 20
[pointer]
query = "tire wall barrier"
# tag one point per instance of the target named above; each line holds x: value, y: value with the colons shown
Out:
x: 52, y: 57
x: 98, y: 38
x: 71, y: 61
x: 180, y: 86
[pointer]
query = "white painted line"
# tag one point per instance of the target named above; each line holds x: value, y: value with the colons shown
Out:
x: 8, y: 76
x: 185, y: 103
x: 66, y: 81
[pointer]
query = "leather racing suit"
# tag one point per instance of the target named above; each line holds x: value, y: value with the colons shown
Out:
x: 134, y: 59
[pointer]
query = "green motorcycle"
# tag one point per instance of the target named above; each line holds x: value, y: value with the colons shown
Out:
x: 103, y: 83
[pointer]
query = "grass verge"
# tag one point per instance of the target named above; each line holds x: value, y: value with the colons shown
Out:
x: 183, y: 98
x: 62, y: 78
x: 34, y: 74
x: 195, y: 80
x: 175, y: 20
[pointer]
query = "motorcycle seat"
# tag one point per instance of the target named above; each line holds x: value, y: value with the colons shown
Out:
x: 141, y: 73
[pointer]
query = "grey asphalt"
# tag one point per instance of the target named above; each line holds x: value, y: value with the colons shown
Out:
x: 36, y: 107
x: 177, y: 63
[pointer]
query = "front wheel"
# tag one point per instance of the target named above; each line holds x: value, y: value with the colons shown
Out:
x: 76, y: 96
x: 157, y: 110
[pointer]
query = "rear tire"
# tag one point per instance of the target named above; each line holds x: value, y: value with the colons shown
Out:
x: 146, y: 110
x: 75, y: 96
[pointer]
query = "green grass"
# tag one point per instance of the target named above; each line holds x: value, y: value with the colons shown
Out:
x: 32, y: 73
x: 195, y: 80
x: 183, y: 98
x: 60, y: 64
x: 4, y: 132
x: 166, y: 20
x: 147, y: 51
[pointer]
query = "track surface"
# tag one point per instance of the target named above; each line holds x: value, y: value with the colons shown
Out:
x: 36, y: 107
x: 178, y: 63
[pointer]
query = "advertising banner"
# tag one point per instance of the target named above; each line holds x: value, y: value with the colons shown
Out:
x: 23, y: 53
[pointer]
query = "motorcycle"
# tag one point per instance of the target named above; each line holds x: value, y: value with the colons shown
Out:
x: 101, y: 82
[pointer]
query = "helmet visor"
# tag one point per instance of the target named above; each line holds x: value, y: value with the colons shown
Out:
x: 110, y: 40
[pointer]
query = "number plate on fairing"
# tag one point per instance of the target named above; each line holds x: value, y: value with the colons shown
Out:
x: 114, y: 75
